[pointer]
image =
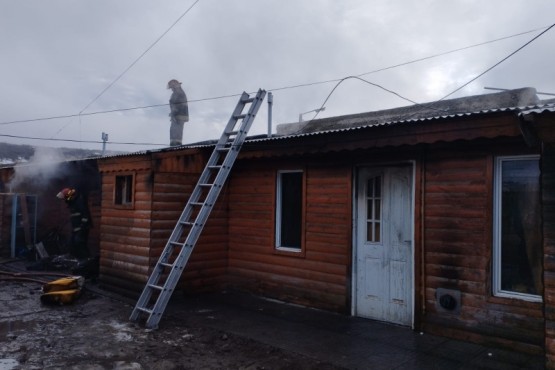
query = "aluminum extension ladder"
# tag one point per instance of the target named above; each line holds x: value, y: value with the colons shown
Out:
x: 167, y: 272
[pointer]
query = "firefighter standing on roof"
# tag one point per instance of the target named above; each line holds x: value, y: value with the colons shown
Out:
x: 80, y: 221
x: 179, y: 112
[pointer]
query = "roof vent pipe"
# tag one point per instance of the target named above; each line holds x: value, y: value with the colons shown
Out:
x: 270, y: 102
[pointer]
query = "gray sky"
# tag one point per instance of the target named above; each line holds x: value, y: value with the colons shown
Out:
x: 56, y: 56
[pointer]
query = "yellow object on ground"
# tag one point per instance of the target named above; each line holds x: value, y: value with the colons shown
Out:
x: 62, y: 291
x: 61, y: 296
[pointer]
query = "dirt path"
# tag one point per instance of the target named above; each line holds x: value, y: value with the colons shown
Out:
x: 94, y: 333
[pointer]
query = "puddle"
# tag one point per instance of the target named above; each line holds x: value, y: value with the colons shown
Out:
x: 8, y: 364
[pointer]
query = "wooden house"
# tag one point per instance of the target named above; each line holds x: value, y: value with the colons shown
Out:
x: 439, y: 217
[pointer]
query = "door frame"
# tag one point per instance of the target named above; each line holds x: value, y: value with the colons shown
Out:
x: 356, y: 174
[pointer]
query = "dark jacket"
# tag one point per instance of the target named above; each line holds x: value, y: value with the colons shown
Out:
x: 178, y: 104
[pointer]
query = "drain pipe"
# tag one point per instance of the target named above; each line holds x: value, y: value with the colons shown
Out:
x: 270, y: 102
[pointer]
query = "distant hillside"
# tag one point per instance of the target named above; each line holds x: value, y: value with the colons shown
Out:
x: 11, y: 154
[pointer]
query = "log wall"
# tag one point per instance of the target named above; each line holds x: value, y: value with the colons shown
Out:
x: 318, y: 276
x: 125, y: 235
x: 548, y: 191
x: 457, y: 201
x: 208, y: 262
x: 133, y: 237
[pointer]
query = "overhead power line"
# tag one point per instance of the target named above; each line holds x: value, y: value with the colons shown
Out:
x: 79, y: 141
x: 277, y: 88
x: 429, y: 105
x: 498, y: 63
x: 139, y: 57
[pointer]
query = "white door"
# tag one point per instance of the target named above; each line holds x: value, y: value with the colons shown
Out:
x: 384, y: 258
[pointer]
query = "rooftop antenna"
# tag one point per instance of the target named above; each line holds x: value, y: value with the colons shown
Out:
x: 270, y: 102
x: 104, y: 140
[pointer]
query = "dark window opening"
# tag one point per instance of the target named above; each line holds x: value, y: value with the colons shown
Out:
x: 124, y: 190
x: 290, y: 206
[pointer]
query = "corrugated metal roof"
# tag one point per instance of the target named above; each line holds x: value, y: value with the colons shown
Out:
x: 519, y: 110
x: 538, y: 109
x: 533, y: 109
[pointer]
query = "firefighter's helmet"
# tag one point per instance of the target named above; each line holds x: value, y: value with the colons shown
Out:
x: 66, y: 194
x: 173, y: 83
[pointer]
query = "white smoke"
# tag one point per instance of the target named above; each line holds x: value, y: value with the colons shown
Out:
x: 43, y: 166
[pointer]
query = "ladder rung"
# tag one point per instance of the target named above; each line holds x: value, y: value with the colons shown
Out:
x: 197, y: 204
x: 144, y: 310
x: 223, y: 149
x: 249, y: 100
x: 157, y: 287
x: 217, y: 167
x: 206, y: 185
x: 186, y: 223
x: 239, y: 116
x: 177, y: 244
x: 232, y: 133
x: 165, y: 264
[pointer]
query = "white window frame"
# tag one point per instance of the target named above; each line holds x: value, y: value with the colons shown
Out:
x: 497, y: 204
x: 278, y: 222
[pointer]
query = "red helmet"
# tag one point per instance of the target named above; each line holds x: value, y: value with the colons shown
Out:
x: 66, y: 193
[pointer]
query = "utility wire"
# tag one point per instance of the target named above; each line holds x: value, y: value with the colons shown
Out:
x: 274, y: 89
x: 327, y: 98
x: 452, y: 51
x: 429, y: 105
x: 498, y: 63
x: 140, y: 56
x: 79, y: 141
x: 483, y: 73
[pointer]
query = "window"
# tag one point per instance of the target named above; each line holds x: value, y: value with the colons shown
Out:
x: 124, y: 190
x: 374, y: 209
x: 289, y: 208
x: 517, y: 228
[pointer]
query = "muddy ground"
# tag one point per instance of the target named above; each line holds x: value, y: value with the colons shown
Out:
x: 94, y: 333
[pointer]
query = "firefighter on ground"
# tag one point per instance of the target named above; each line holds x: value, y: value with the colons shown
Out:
x: 80, y: 221
x: 179, y: 112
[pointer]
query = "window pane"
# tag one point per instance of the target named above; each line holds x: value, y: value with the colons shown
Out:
x: 370, y: 190
x: 521, y: 247
x: 377, y: 232
x: 291, y: 209
x: 373, y: 209
x: 378, y: 186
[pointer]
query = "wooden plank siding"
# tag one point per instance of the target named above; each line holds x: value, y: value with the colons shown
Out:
x: 125, y: 231
x: 458, y: 211
x: 548, y: 200
x: 133, y: 237
x: 319, y: 275
x: 208, y: 262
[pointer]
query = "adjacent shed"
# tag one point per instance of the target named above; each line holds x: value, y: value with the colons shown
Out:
x: 38, y: 184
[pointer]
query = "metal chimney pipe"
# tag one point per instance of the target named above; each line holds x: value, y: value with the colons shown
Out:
x: 270, y: 102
